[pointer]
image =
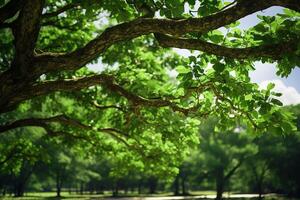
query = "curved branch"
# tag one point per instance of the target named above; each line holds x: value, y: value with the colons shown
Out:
x: 40, y: 122
x: 108, y: 107
x: 143, y: 26
x: 103, y: 80
x: 274, y: 51
x: 290, y: 4
x: 63, y: 119
x: 60, y: 10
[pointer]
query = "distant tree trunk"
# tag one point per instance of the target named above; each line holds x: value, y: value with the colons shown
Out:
x: 259, y: 186
x: 81, y: 187
x: 183, y: 186
x: 58, y: 183
x: 22, y: 179
x: 220, y: 183
x: 152, y: 181
x: 140, y: 187
x: 176, y: 186
x: 116, y: 189
x: 19, y: 189
x: 4, y: 191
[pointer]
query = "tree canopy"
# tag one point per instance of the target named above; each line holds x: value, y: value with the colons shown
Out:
x: 132, y: 105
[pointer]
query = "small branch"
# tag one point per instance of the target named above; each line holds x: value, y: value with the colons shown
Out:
x: 61, y: 10
x: 231, y: 172
x: 274, y: 51
x: 242, y: 112
x: 108, y: 107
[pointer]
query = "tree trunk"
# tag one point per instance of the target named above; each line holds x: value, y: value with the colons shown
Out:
x: 22, y: 179
x: 260, y: 190
x: 220, y: 183
x: 58, y: 184
x: 183, y: 186
x: 152, y: 181
x: 220, y: 188
x: 19, y: 189
x: 176, y: 186
x: 81, y: 188
x: 116, y: 189
x: 140, y: 187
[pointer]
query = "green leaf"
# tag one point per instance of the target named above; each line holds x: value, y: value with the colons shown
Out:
x: 248, y: 97
x: 182, y: 69
x: 219, y: 67
x: 277, y: 102
x: 270, y: 86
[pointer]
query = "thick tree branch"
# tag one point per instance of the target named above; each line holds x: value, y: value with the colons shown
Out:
x: 65, y: 120
x: 40, y: 122
x: 291, y: 4
x: 26, y: 32
x: 60, y: 10
x: 274, y: 51
x: 85, y: 82
x: 143, y: 26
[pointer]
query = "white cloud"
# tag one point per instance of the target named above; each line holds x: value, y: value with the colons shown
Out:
x: 289, y: 94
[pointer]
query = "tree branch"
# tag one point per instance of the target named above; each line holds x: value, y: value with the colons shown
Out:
x: 143, y: 26
x: 63, y: 119
x: 231, y: 172
x: 41, y: 122
x: 60, y: 10
x: 85, y: 82
x: 108, y: 107
x: 26, y: 32
x: 291, y: 4
x: 274, y: 51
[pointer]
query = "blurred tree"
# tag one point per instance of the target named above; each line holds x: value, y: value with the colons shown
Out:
x: 223, y: 153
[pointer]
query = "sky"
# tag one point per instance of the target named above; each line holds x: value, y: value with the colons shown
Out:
x: 265, y: 72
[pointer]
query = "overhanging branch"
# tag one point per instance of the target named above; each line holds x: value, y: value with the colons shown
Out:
x: 104, y: 80
x: 143, y: 26
x: 274, y: 51
x: 60, y: 10
x: 65, y: 120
